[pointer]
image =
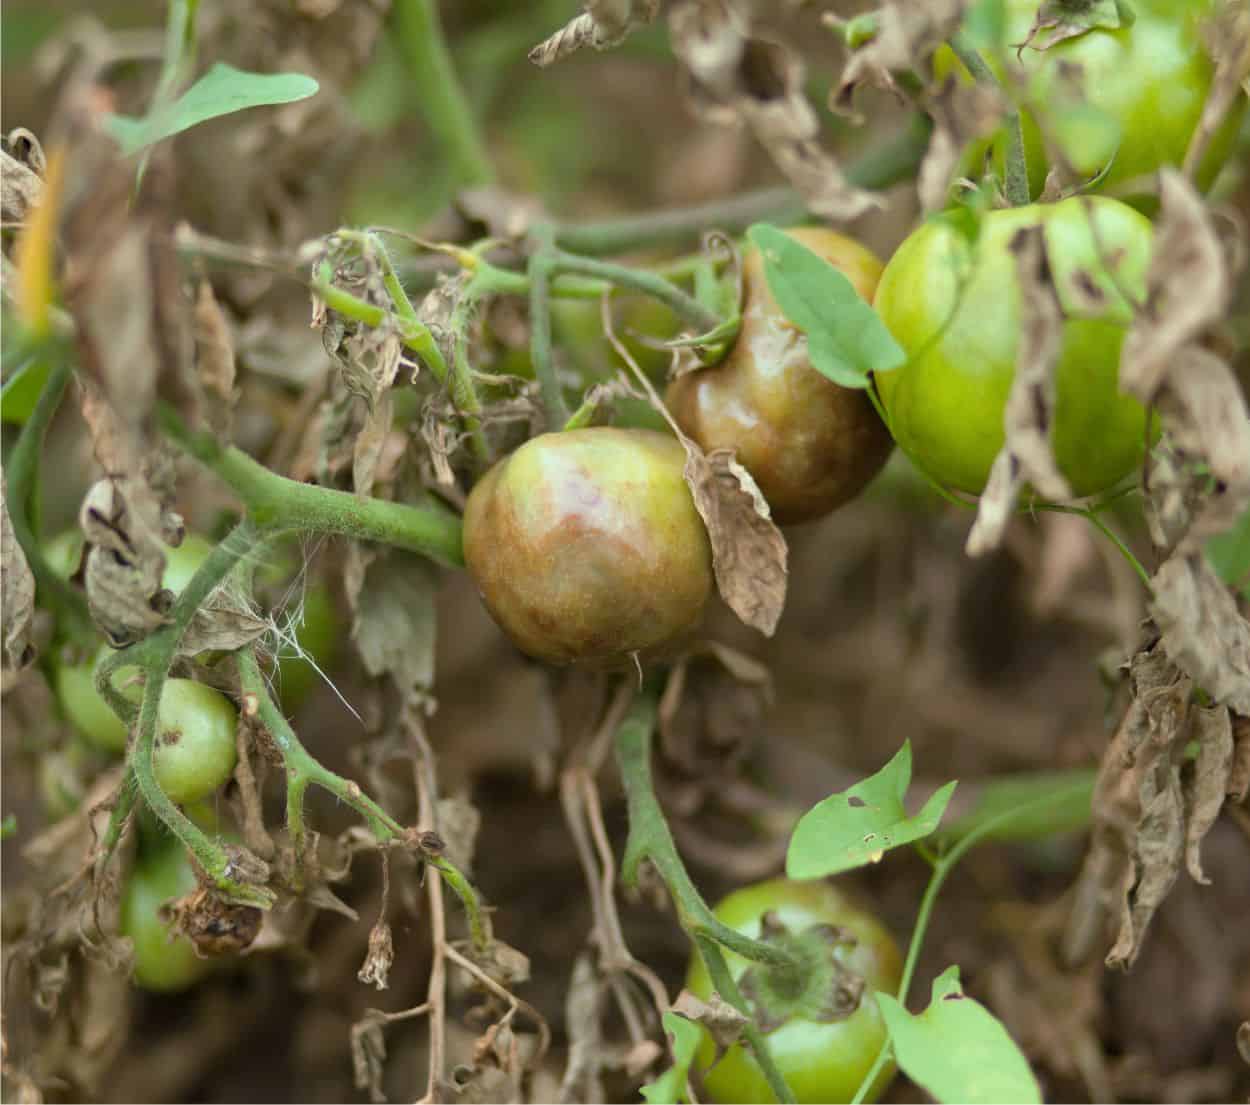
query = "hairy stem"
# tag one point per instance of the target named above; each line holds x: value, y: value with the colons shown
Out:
x: 278, y: 503
x: 1016, y: 185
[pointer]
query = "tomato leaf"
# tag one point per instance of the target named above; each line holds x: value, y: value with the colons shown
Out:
x: 859, y: 825
x: 846, y: 338
x: 223, y: 90
x: 670, y: 1087
x: 1229, y: 553
x: 957, y: 1049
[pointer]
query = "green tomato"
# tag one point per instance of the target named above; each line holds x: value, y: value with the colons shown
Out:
x: 85, y: 709
x: 821, y: 1060
x: 163, y: 961
x: 586, y: 546
x: 954, y: 307
x: 195, y: 751
x: 1128, y: 97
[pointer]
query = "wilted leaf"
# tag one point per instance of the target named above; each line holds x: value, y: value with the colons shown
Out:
x: 604, y: 24
x: 17, y: 591
x: 214, y: 349
x: 223, y: 90
x: 1239, y: 771
x: 723, y: 1023
x: 1026, y: 455
x: 846, y: 338
x: 957, y: 1049
x: 961, y: 113
x: 738, y: 76
x: 860, y: 824
x: 670, y: 1087
x: 221, y: 624
x: 1227, y: 35
x: 1212, y: 728
x: 1202, y: 629
x: 583, y: 1008
x: 748, y: 550
x: 22, y: 167
x: 1187, y: 288
x: 375, y: 971
x: 392, y: 598
x: 1057, y: 21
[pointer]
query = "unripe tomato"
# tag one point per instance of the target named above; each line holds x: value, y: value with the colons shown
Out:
x: 1148, y: 82
x: 810, y: 444
x: 821, y: 1060
x: 163, y: 961
x: 84, y: 708
x: 586, y: 545
x: 954, y: 307
x: 194, y: 751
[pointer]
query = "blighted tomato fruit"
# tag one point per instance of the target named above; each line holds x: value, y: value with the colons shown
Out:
x: 586, y: 546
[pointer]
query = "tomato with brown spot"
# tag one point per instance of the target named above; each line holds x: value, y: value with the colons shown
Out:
x: 810, y: 444
x: 586, y: 546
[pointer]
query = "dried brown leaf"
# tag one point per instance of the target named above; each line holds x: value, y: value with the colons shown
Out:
x: 604, y: 24
x: 369, y: 444
x: 214, y: 349
x: 1239, y: 770
x: 1202, y: 629
x: 376, y: 969
x: 748, y: 550
x: 221, y: 624
x: 1208, y: 422
x: 583, y: 1005
x: 1056, y: 21
x: 17, y: 592
x: 737, y: 76
x: 22, y: 166
x: 1205, y: 790
x: 723, y: 1022
x: 1187, y: 288
x: 1026, y: 455
x: 906, y: 35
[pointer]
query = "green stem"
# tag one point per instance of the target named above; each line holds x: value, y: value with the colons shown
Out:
x: 23, y: 467
x: 941, y: 871
x: 540, y: 274
x: 437, y: 92
x: 724, y: 984
x: 1016, y: 185
x: 275, y: 502
x: 304, y: 770
x: 1106, y: 531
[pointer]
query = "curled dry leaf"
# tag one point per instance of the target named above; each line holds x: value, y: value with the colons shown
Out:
x: 393, y: 624
x: 1202, y: 630
x: 723, y: 1022
x: 604, y: 24
x: 748, y: 550
x: 738, y: 77
x: 1206, y: 788
x: 376, y: 969
x: 120, y: 520
x: 1056, y: 21
x: 1026, y: 455
x: 906, y: 35
x: 22, y: 166
x: 214, y: 361
x: 17, y: 592
x: 1187, y: 288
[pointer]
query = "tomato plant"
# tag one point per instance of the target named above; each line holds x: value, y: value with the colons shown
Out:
x: 823, y: 1055
x: 195, y: 748
x: 811, y: 444
x: 163, y: 961
x: 81, y: 702
x: 586, y: 545
x: 954, y: 306
x: 1120, y: 99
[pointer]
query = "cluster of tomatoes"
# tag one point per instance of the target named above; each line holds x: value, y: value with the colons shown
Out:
x: 586, y: 546
x: 194, y: 750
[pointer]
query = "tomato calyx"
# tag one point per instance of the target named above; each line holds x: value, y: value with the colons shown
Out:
x: 819, y: 987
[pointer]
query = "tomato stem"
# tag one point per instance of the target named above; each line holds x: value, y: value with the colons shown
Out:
x: 650, y: 838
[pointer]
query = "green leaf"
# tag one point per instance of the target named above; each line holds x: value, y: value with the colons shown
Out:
x: 1229, y: 554
x: 859, y: 825
x: 957, y: 1049
x: 21, y: 391
x: 846, y: 338
x: 985, y: 25
x: 670, y: 1087
x: 221, y: 91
